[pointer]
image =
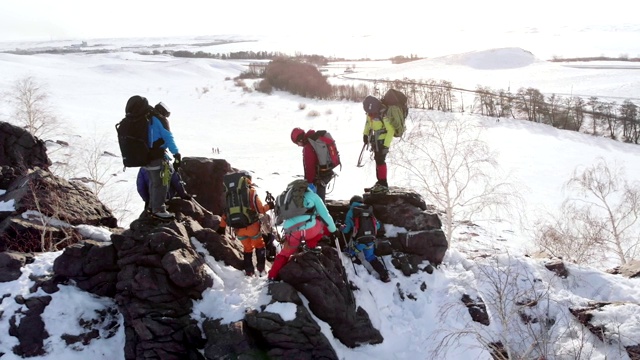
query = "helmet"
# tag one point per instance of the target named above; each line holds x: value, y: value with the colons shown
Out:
x: 356, y: 198
x: 137, y: 105
x: 245, y: 173
x: 297, y: 134
x: 162, y: 109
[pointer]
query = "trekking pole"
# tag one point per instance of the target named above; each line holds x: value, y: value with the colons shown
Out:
x: 345, y: 241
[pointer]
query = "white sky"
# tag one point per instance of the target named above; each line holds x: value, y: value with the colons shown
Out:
x: 44, y: 19
x: 90, y: 91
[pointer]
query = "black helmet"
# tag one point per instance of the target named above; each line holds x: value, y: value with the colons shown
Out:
x: 137, y: 106
x: 162, y: 109
x: 356, y: 198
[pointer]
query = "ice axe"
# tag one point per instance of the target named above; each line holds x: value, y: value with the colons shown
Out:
x: 360, y: 164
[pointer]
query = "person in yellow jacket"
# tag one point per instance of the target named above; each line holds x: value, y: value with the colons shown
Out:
x: 378, y: 132
x: 251, y: 236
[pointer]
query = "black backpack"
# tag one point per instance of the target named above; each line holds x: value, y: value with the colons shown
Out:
x: 364, y: 224
x: 133, y: 133
x: 238, y: 210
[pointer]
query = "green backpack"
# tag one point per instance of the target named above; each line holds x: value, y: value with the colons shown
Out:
x: 397, y: 110
x: 239, y: 211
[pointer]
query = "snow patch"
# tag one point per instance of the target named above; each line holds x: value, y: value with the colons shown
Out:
x: 491, y: 59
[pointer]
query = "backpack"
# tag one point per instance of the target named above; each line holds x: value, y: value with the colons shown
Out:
x: 291, y: 202
x: 326, y: 150
x: 372, y: 105
x: 364, y: 224
x: 397, y: 117
x: 238, y: 210
x: 133, y: 133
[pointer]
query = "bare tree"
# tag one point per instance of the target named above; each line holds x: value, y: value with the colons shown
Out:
x: 611, y: 204
x: 573, y: 235
x: 519, y: 306
x: 454, y: 167
x: 31, y: 109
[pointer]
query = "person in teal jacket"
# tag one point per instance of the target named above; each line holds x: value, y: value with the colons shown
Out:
x: 309, y: 228
x: 362, y: 249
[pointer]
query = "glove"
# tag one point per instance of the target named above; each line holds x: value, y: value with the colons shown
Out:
x: 313, y: 188
x: 342, y: 227
x: 177, y: 159
x: 335, y: 234
x: 271, y: 205
x: 384, y: 150
x: 221, y: 230
x: 365, y: 139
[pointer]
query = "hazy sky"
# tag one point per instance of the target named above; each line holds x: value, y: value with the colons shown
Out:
x: 62, y: 19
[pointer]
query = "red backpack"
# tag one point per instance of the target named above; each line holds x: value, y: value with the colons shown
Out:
x: 326, y: 150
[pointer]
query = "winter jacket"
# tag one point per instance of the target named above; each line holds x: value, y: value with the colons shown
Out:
x: 309, y: 159
x: 310, y: 201
x: 348, y: 221
x: 160, y: 138
x: 382, y: 130
x: 175, y: 186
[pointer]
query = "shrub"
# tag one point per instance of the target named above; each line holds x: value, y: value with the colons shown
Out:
x: 313, y: 113
x: 298, y: 78
x: 302, y: 106
x: 263, y: 86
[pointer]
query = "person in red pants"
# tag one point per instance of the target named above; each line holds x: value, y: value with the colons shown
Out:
x: 308, y: 228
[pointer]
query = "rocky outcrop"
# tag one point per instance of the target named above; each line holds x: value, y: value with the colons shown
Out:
x: 631, y: 269
x: 203, y: 178
x: 423, y: 238
x: 20, y: 151
x: 11, y: 264
x: 160, y: 276
x: 321, y: 279
x: 63, y: 203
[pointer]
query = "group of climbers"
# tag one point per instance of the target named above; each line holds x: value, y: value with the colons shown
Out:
x: 300, y: 209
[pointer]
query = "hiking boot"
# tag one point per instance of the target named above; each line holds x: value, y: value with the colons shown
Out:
x: 164, y: 214
x: 385, y: 278
x: 379, y: 189
x: 249, y: 273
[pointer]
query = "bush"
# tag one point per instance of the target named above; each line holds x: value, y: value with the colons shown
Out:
x: 313, y: 113
x: 302, y: 106
x: 298, y: 78
x: 263, y: 86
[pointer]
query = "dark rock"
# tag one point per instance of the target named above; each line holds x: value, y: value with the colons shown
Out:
x: 92, y: 265
x: 25, y: 235
x: 11, y: 264
x: 31, y: 331
x: 477, y: 309
x: 320, y: 278
x: 203, y: 178
x: 222, y: 248
x: 429, y: 245
x: 557, y: 266
x: 21, y: 150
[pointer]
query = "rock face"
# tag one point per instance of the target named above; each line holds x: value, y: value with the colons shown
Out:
x: 20, y: 151
x: 40, y: 192
x: 403, y: 208
x: 203, y: 178
x: 154, y: 273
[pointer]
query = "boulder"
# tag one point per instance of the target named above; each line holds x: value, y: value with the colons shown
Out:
x: 20, y: 150
x: 11, y: 264
x: 203, y: 178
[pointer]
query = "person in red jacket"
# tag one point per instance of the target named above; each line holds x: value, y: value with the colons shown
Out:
x: 318, y: 182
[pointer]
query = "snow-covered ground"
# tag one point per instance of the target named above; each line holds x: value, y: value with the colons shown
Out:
x: 252, y: 130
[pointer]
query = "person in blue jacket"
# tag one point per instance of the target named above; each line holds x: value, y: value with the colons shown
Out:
x: 176, y: 187
x: 159, y: 168
x: 363, y: 250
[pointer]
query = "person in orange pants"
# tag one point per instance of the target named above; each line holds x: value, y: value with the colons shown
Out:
x: 251, y: 236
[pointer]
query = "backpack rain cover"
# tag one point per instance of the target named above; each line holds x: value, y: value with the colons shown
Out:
x: 326, y: 150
